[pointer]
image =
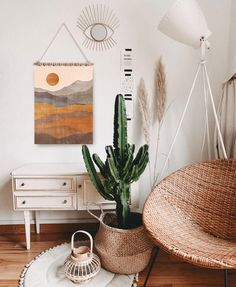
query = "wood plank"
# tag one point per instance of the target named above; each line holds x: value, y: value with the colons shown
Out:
x: 170, y: 270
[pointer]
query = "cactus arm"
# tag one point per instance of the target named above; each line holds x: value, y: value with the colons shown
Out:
x: 113, y: 170
x: 140, y: 162
x: 109, y: 187
x: 107, y: 182
x: 129, y: 175
x: 112, y: 163
x: 102, y: 167
x: 137, y: 166
x: 140, y: 168
x: 93, y: 174
x: 111, y: 154
x: 120, y: 129
x: 140, y: 155
x: 129, y: 159
x: 127, y: 166
x: 131, y: 148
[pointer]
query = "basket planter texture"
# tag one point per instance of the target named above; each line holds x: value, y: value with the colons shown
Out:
x: 122, y: 251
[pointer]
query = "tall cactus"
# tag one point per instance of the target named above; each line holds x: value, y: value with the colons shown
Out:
x: 120, y: 168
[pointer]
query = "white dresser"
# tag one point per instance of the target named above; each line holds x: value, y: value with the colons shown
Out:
x: 55, y: 186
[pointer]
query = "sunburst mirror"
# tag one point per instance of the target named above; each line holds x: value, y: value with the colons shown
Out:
x: 98, y: 23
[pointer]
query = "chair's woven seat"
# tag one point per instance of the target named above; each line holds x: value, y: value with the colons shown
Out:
x: 192, y: 214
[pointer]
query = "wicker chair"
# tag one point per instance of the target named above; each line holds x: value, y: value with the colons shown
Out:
x: 192, y: 215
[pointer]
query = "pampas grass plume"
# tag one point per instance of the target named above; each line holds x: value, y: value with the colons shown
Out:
x: 159, y: 103
x: 144, y: 109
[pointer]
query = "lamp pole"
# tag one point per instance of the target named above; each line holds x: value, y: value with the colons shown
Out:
x: 207, y: 88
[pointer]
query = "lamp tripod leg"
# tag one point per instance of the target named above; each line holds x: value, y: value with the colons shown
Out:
x: 214, y: 112
x: 206, y: 129
x: 203, y: 142
x: 181, y: 121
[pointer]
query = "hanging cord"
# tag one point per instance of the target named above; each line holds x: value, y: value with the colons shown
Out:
x: 72, y: 37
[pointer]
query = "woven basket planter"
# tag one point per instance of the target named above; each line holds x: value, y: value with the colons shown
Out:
x: 122, y: 251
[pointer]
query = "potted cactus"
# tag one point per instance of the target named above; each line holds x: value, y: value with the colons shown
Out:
x: 120, y: 169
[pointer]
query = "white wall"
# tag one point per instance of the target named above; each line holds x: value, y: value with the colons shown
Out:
x: 27, y: 27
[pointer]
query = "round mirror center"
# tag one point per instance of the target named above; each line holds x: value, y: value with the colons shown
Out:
x: 98, y: 32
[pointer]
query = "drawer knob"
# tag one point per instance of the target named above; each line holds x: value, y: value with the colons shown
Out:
x: 22, y: 184
x: 65, y: 201
x: 80, y: 185
x: 64, y: 184
x: 23, y: 202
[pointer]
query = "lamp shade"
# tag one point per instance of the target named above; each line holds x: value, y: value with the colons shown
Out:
x: 185, y: 23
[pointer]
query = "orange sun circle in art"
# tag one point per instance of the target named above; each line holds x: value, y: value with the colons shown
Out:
x: 52, y: 79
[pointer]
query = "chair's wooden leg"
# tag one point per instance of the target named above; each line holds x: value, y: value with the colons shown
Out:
x: 226, y: 278
x: 151, y: 263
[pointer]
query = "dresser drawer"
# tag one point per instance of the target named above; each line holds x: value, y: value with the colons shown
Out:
x: 53, y: 183
x: 47, y: 203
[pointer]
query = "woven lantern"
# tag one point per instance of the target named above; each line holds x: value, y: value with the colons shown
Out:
x: 82, y: 264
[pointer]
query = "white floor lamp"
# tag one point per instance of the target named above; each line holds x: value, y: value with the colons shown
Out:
x: 185, y: 23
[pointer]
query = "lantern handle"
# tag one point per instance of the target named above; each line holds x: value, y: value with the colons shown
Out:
x: 89, y: 236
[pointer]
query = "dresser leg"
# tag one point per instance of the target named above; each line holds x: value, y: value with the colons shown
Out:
x: 37, y: 221
x: 27, y: 228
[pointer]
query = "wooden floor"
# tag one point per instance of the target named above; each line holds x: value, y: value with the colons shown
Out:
x: 167, y: 272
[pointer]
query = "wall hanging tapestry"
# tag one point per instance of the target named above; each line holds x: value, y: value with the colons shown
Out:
x: 63, y: 102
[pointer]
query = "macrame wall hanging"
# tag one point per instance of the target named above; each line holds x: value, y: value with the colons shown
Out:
x: 63, y: 100
x: 98, y: 24
x: 227, y: 119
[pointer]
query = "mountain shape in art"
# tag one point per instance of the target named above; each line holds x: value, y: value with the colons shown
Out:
x: 78, y: 92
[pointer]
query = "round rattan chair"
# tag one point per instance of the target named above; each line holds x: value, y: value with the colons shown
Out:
x: 192, y: 215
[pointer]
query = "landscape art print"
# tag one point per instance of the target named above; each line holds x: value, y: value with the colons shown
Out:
x: 63, y: 103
